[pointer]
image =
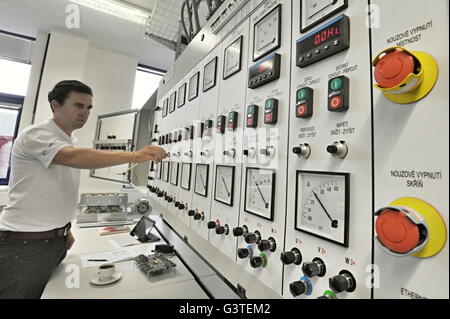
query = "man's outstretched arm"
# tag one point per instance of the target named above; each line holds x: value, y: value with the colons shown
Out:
x: 87, y: 158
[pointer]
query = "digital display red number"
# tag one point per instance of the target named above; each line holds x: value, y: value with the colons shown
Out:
x: 326, y: 34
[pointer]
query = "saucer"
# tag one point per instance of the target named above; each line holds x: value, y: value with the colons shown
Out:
x: 96, y: 281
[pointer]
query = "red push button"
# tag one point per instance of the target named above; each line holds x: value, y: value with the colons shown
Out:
x: 396, y: 231
x: 336, y: 102
x: 302, y: 109
x: 268, y: 118
x: 393, y: 68
x: 249, y: 122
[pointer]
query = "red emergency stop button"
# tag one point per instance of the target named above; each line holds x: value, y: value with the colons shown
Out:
x: 393, y: 68
x: 396, y: 231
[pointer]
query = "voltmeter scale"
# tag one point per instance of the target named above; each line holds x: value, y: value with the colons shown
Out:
x: 322, y: 205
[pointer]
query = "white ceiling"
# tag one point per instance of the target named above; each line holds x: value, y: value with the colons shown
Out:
x: 27, y: 17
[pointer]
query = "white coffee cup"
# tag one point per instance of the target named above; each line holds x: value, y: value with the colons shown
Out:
x: 105, y: 272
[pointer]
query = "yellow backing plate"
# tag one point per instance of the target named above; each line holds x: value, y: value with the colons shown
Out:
x: 430, y: 69
x: 437, y: 230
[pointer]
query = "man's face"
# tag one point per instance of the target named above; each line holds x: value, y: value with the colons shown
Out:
x: 75, y: 111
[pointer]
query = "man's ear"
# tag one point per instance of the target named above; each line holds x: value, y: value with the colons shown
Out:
x: 54, y: 104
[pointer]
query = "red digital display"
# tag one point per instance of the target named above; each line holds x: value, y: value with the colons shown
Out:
x: 337, y: 29
x: 327, y: 34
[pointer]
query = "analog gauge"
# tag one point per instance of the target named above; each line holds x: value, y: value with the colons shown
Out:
x: 224, y: 184
x: 181, y: 95
x: 209, y: 75
x: 313, y: 12
x: 201, y: 179
x: 174, y: 174
x: 186, y: 175
x: 165, y: 107
x: 173, y: 101
x: 193, y: 86
x: 165, y: 171
x: 232, y: 58
x: 260, y: 192
x: 322, y: 207
x: 267, y: 33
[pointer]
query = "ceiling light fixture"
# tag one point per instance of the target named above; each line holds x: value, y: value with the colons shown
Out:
x: 117, y: 8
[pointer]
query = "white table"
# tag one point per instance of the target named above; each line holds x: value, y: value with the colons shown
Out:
x: 133, y: 284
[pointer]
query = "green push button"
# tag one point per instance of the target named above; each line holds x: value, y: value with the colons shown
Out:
x: 269, y: 104
x: 336, y: 84
x: 301, y: 95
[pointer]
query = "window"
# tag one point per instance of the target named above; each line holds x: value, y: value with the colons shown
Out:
x: 146, y: 83
x: 13, y: 86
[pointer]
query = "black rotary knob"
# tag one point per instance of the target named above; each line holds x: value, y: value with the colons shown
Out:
x: 191, y: 212
x: 223, y: 230
x: 293, y: 256
x: 297, y: 150
x: 154, y: 140
x: 177, y: 204
x: 256, y: 262
x: 211, y: 225
x: 264, y: 245
x: 197, y: 216
x: 314, y: 268
x: 150, y: 178
x: 267, y: 244
x: 332, y: 149
x: 245, y: 152
x: 243, y: 253
x: 169, y: 199
x: 181, y: 206
x: 238, y: 231
x: 298, y: 288
x: 342, y: 282
x: 160, y: 194
x: 250, y: 238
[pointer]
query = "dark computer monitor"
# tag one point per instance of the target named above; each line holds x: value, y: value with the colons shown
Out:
x: 143, y: 230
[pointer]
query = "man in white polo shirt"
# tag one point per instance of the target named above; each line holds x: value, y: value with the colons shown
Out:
x: 35, y: 225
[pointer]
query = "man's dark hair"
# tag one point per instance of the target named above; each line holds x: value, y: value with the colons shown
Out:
x: 62, y: 90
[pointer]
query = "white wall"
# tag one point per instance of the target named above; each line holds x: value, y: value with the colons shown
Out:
x: 110, y: 75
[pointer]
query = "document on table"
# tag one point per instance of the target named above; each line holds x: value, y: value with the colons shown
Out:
x: 95, y: 260
x: 124, y: 240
